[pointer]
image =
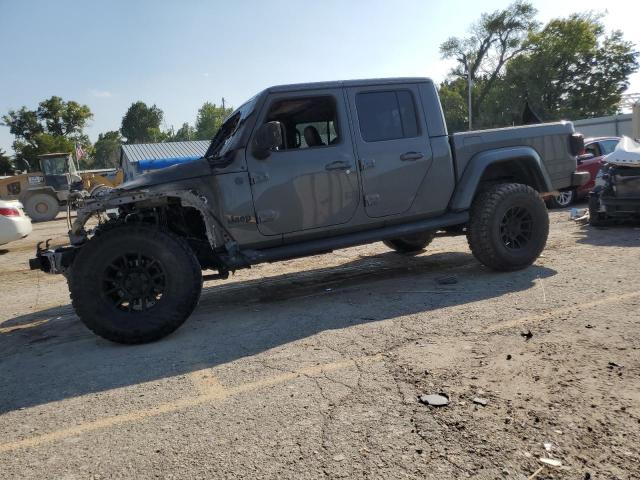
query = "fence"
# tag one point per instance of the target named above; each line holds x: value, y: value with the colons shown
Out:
x: 612, y: 126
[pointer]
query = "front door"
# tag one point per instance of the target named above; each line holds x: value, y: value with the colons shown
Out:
x: 392, y: 144
x: 310, y: 181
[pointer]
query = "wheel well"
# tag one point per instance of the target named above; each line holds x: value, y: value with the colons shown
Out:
x: 514, y: 171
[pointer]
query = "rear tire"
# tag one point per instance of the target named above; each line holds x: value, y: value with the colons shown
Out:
x: 411, y: 243
x: 42, y: 207
x: 135, y: 284
x: 596, y: 218
x: 509, y: 226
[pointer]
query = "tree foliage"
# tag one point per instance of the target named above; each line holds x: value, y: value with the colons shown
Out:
x: 573, y: 69
x: 209, y: 119
x: 493, y: 41
x: 453, y: 97
x: 185, y: 133
x: 106, y: 152
x: 6, y: 166
x: 55, y: 126
x: 141, y: 123
x: 569, y: 69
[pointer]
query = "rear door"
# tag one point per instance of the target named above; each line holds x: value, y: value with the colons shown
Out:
x: 393, y: 148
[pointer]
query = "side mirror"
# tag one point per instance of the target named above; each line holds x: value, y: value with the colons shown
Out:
x: 585, y: 156
x: 268, y: 138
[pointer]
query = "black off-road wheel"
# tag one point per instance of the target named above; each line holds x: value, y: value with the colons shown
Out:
x: 411, y: 243
x: 509, y: 226
x: 135, y: 284
x: 596, y: 217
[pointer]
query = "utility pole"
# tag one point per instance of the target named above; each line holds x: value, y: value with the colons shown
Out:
x: 470, y: 83
x: 222, y: 103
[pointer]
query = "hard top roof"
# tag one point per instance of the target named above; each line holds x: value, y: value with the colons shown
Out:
x: 346, y: 83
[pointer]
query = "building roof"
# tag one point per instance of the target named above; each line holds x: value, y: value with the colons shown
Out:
x: 166, y: 151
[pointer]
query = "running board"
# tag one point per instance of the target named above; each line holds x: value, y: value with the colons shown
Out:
x: 313, y: 247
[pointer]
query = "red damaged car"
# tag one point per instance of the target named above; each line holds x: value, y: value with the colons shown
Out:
x: 589, y: 161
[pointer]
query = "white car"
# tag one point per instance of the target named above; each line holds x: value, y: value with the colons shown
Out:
x: 14, y: 224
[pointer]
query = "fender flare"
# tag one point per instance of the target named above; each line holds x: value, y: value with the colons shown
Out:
x: 468, y: 185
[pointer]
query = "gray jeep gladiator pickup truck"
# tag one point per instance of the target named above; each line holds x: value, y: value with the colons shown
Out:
x: 305, y: 169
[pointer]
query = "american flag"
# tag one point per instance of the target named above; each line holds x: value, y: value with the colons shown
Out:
x: 80, y: 153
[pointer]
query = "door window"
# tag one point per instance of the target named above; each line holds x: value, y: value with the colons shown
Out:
x: 387, y: 115
x: 309, y: 122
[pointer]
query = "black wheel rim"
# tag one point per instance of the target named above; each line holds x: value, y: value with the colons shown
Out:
x: 134, y: 282
x: 516, y: 228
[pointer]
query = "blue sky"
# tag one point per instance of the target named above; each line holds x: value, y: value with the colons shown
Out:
x: 179, y: 54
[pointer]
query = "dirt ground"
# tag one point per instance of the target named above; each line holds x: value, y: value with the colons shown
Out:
x: 312, y: 369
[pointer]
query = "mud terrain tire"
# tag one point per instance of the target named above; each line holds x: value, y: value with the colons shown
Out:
x: 509, y: 226
x: 135, y: 284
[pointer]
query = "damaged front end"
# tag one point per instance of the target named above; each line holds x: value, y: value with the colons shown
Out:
x: 184, y: 212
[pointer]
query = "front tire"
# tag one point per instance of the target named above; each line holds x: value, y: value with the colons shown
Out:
x: 135, y: 284
x: 411, y: 243
x: 509, y: 226
x: 42, y: 207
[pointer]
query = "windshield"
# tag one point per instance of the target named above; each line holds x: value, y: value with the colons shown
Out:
x: 222, y: 141
x: 54, y: 165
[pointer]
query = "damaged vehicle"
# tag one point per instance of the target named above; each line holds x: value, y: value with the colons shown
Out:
x: 616, y: 196
x: 305, y: 169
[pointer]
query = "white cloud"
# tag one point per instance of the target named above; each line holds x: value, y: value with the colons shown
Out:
x: 100, y: 93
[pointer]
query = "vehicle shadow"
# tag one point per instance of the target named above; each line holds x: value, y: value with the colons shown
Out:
x: 51, y: 356
x: 622, y: 235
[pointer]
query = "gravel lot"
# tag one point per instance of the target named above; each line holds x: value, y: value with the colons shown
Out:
x: 312, y: 368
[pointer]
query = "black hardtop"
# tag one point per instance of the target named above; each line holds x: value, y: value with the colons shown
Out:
x: 296, y: 87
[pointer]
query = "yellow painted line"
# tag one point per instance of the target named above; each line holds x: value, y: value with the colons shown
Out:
x: 212, y: 393
x: 496, y: 327
x: 22, y: 327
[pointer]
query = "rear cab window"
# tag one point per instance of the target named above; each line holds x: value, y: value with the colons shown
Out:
x: 387, y: 115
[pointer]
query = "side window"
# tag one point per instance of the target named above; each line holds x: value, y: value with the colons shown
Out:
x: 387, y: 115
x: 307, y: 122
x: 608, y: 146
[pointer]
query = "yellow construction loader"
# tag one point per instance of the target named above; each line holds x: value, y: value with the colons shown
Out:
x: 43, y: 193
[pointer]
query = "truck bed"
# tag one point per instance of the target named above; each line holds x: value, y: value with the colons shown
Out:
x: 549, y: 140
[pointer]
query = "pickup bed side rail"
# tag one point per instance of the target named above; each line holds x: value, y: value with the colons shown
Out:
x: 526, y: 158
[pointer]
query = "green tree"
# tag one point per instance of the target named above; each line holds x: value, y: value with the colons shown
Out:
x: 6, y: 167
x: 572, y: 69
x: 493, y: 41
x: 55, y: 126
x: 141, y: 123
x: 185, y: 133
x: 209, y: 119
x: 63, y: 118
x: 453, y: 97
x: 107, y: 150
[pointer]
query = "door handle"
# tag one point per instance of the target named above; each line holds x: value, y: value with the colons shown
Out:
x: 411, y: 156
x: 338, y: 165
